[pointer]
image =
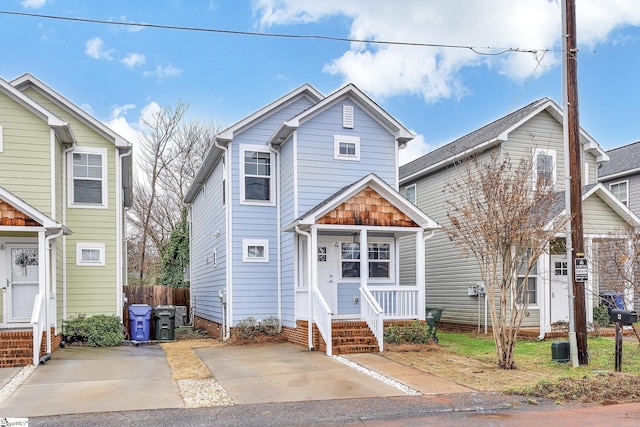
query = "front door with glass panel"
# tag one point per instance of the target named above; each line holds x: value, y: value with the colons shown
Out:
x: 559, y: 289
x: 22, y: 282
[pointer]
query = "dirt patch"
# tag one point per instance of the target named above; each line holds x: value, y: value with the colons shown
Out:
x: 185, y: 364
x: 472, y: 373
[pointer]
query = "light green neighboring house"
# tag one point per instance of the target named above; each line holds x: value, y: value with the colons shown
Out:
x: 65, y: 181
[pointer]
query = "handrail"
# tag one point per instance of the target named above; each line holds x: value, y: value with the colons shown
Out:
x: 373, y: 315
x: 398, y: 302
x: 322, y: 318
x: 38, y: 326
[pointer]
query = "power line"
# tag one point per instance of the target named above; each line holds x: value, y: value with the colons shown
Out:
x: 491, y: 51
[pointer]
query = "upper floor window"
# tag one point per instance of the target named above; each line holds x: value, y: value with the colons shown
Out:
x: 257, y: 178
x: 346, y: 147
x: 621, y: 191
x: 410, y: 193
x: 88, y: 186
x: 544, y: 163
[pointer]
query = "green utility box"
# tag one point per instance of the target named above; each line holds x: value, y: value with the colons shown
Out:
x: 165, y: 319
x: 560, y: 351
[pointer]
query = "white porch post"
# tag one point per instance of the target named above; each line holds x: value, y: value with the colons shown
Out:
x: 420, y: 274
x: 43, y: 285
x: 364, y: 258
x: 312, y: 278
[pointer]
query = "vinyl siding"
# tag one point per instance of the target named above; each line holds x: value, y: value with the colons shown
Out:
x: 209, y: 216
x: 90, y: 290
x: 320, y: 175
x: 599, y: 218
x: 25, y: 163
x: 255, y: 284
x: 634, y: 190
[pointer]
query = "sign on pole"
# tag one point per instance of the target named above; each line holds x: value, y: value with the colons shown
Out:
x: 581, y: 271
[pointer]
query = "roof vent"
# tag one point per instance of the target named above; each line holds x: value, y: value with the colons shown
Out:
x: 347, y: 116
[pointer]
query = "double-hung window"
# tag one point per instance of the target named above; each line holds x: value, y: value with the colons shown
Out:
x: 257, y: 178
x: 88, y: 173
x: 527, y: 291
x: 544, y: 163
x: 621, y: 191
x: 379, y: 260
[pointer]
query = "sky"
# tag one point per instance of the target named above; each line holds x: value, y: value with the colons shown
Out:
x: 463, y: 64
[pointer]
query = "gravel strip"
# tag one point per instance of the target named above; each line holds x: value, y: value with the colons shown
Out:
x: 390, y: 381
x: 203, y: 393
x: 16, y: 381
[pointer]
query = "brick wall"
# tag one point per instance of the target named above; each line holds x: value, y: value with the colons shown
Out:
x: 16, y: 347
x: 215, y: 329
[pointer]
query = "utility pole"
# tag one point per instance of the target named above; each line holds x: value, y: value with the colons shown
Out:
x: 575, y: 181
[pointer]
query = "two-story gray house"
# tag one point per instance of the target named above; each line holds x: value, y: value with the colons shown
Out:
x: 536, y: 132
x: 295, y: 215
x: 621, y: 174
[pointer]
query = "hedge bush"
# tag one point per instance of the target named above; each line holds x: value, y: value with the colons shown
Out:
x: 410, y: 333
x: 95, y: 331
x: 250, y: 328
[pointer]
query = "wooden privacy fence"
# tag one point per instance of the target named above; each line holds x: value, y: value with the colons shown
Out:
x: 156, y: 295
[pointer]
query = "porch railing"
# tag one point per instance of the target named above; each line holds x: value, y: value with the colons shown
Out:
x: 39, y: 324
x: 398, y: 302
x: 373, y: 314
x: 322, y: 318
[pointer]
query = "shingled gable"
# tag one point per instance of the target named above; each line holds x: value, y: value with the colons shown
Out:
x: 488, y: 136
x: 11, y: 216
x: 15, y: 212
x: 368, y: 202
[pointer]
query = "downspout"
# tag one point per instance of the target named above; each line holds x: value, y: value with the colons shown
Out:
x: 278, y: 243
x: 47, y: 288
x: 310, y: 321
x: 65, y: 188
x: 229, y: 235
x: 121, y: 232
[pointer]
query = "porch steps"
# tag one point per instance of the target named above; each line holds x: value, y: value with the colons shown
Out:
x: 353, y: 337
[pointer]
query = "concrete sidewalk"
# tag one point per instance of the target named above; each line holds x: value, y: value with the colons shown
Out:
x: 83, y: 380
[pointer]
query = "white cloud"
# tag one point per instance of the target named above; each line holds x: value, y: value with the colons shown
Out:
x: 134, y: 60
x: 164, y: 72
x: 414, y: 149
x: 95, y: 49
x: 33, y: 4
x: 436, y: 72
x: 120, y: 110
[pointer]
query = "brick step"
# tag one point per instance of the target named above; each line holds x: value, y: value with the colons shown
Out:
x: 352, y: 333
x: 351, y: 349
x: 366, y: 340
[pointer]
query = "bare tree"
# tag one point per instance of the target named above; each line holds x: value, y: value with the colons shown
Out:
x: 170, y: 153
x: 498, y: 216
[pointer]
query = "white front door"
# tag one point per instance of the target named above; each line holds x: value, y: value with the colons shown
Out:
x: 21, y: 261
x: 327, y: 272
x: 559, y: 289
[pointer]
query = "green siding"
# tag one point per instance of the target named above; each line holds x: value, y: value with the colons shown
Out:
x: 25, y: 162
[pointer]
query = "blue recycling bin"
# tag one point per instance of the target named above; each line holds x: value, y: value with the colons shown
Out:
x: 140, y: 322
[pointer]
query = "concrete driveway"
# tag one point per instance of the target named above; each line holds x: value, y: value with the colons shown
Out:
x: 82, y: 380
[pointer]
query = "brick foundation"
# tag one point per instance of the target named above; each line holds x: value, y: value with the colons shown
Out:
x: 16, y: 347
x: 215, y: 329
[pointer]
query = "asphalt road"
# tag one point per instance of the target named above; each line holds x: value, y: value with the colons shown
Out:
x: 442, y: 410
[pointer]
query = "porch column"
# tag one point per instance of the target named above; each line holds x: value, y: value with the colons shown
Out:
x: 420, y: 274
x: 312, y: 278
x: 364, y: 259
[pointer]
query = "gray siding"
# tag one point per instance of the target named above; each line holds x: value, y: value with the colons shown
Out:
x: 208, y: 216
x: 599, y: 218
x: 633, y: 183
x: 320, y: 175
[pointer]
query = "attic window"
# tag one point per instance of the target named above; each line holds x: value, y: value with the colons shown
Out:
x: 347, y: 116
x: 346, y: 147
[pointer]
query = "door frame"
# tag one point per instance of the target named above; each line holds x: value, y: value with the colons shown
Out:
x: 555, y: 300
x: 8, y: 243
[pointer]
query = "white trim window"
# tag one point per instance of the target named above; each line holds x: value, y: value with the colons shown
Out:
x: 379, y: 260
x: 88, y: 178
x: 378, y: 257
x: 90, y: 254
x: 1, y: 140
x: 255, y: 250
x: 544, y: 168
x: 256, y: 175
x: 531, y: 290
x: 620, y: 189
x: 346, y: 147
x: 410, y: 193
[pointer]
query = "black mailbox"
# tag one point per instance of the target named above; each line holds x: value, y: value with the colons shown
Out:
x: 625, y: 317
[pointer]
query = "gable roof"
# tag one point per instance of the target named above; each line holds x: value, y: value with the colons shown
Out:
x: 401, y: 133
x: 31, y: 212
x: 559, y: 206
x: 623, y: 160
x: 349, y: 191
x: 29, y: 81
x: 62, y: 129
x: 487, y: 136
